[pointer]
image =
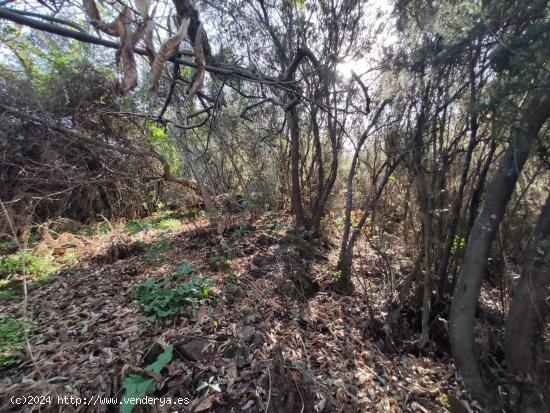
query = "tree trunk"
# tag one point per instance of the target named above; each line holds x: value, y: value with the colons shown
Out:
x: 535, y: 112
x: 529, y: 306
x: 295, y: 191
x: 475, y: 199
x: 443, y: 261
x: 344, y: 285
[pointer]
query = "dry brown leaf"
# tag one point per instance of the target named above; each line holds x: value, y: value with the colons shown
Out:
x: 198, y: 77
x: 142, y: 7
x: 165, y: 52
x: 205, y: 404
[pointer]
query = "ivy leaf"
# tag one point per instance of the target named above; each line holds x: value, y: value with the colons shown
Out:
x: 162, y: 360
x: 136, y: 386
x: 185, y: 270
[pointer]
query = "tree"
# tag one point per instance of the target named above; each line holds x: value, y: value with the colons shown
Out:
x: 529, y: 307
x: 535, y: 110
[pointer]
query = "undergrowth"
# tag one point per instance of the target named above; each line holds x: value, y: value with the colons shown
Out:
x: 139, y: 385
x: 12, y: 340
x: 35, y: 266
x: 159, y: 299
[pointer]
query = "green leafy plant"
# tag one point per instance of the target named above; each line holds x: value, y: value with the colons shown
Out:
x: 458, y: 244
x: 7, y: 244
x: 11, y: 339
x: 133, y: 227
x: 7, y: 294
x: 35, y: 265
x: 186, y: 270
x: 159, y: 300
x: 169, y: 223
x: 137, y: 386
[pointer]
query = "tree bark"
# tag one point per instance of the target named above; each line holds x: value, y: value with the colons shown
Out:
x: 344, y: 285
x: 529, y: 307
x: 535, y: 111
x: 295, y: 191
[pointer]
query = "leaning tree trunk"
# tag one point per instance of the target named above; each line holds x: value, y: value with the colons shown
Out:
x: 535, y: 112
x: 529, y: 306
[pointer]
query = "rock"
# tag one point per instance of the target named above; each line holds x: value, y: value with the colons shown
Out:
x: 152, y: 353
x: 235, y: 351
x: 193, y: 350
x: 257, y: 340
x: 232, y: 293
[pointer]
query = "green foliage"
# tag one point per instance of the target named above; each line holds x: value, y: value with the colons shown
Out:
x: 162, y: 360
x: 161, y: 221
x: 169, y: 223
x: 7, y: 244
x: 11, y: 339
x: 159, y: 300
x: 185, y: 270
x: 35, y: 266
x: 133, y: 227
x: 94, y: 228
x: 458, y: 244
x: 137, y: 386
x: 7, y: 294
x: 158, y: 138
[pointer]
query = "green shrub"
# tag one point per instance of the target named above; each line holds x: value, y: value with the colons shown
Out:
x: 133, y: 227
x: 7, y: 294
x: 35, y: 266
x: 12, y: 339
x: 169, y: 223
x: 137, y: 386
x: 7, y: 244
x: 159, y: 300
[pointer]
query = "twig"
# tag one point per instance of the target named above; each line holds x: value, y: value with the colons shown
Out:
x: 269, y: 394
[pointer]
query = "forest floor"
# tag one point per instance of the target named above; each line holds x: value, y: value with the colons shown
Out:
x: 254, y: 345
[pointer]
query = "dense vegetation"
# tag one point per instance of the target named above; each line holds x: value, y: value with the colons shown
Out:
x: 319, y: 200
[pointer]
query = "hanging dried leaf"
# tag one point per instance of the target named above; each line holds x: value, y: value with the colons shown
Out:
x: 92, y: 11
x: 148, y: 37
x: 142, y: 7
x: 123, y: 27
x: 198, y: 77
x: 115, y: 28
x: 166, y: 50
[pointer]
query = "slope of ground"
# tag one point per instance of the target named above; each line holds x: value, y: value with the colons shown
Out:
x: 257, y: 345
